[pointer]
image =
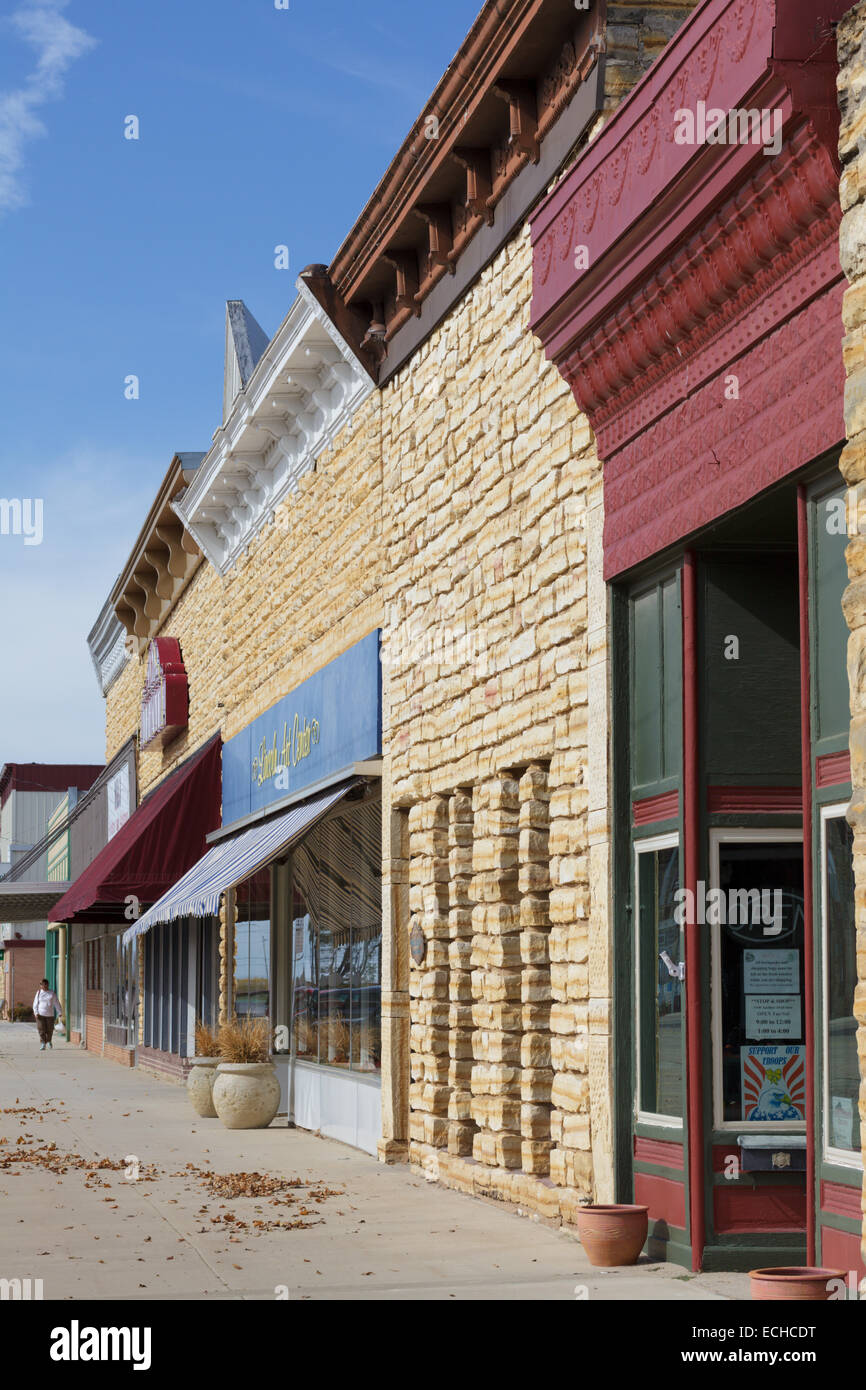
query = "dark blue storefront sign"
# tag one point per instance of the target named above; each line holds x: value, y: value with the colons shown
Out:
x: 332, y: 720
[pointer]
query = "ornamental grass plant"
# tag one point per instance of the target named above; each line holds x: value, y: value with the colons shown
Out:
x: 244, y: 1040
x: 206, y: 1040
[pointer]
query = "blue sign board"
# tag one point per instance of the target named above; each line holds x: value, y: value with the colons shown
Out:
x: 330, y: 721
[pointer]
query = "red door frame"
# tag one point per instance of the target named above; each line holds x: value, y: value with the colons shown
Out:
x: 692, y: 861
x: 808, y: 926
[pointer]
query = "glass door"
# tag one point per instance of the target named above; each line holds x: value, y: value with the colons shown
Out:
x: 660, y: 1012
x: 755, y: 913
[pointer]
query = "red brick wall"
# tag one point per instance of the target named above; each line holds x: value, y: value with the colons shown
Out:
x: 93, y: 1020
x: 124, y: 1055
x: 29, y: 965
x: 167, y: 1065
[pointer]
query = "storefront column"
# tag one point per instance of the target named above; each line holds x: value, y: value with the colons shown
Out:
x: 851, y: 35
x: 61, y: 976
x: 227, y: 957
x: 394, y: 1144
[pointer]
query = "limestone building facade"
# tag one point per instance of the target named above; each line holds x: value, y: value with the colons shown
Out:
x: 493, y: 437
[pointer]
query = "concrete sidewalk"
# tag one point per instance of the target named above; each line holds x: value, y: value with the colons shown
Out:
x: 366, y: 1231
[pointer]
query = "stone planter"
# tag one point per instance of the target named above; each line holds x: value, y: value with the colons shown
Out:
x: 795, y: 1282
x: 613, y: 1235
x: 246, y: 1095
x: 199, y: 1085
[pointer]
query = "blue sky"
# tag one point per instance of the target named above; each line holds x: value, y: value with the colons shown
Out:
x: 258, y: 127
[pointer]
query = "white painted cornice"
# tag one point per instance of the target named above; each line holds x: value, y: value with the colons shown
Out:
x: 108, y: 646
x: 304, y: 390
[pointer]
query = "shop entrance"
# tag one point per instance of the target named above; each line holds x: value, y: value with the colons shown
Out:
x: 728, y: 909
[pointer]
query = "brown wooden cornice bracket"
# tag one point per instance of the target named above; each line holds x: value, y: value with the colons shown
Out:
x: 479, y: 185
x: 523, y: 114
x: 440, y: 233
x: 406, y: 265
x: 374, y: 341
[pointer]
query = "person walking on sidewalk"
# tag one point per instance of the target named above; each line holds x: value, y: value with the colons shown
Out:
x: 46, y: 1006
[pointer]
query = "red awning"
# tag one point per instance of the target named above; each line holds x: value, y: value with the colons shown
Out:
x: 156, y: 846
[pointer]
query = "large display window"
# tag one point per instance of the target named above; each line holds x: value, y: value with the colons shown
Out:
x: 253, y: 946
x: 755, y: 914
x: 842, y: 1138
x: 335, y: 935
x: 660, y: 1017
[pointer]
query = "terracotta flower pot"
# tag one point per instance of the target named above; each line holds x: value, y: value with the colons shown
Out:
x: 199, y: 1085
x: 795, y: 1282
x: 613, y: 1235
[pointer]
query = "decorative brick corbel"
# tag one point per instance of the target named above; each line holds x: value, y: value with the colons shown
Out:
x: 523, y: 115
x: 374, y: 342
x: 406, y: 265
x: 440, y: 234
x: 479, y: 185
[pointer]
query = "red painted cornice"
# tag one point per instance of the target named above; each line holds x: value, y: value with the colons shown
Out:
x: 702, y: 260
x: 636, y: 193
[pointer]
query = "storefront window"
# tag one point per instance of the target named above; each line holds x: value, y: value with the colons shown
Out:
x: 167, y: 987
x: 253, y: 946
x: 660, y: 1004
x: 336, y: 936
x: 207, y: 982
x: 119, y: 983
x: 756, y: 912
x: 841, y: 1068
x: 76, y: 988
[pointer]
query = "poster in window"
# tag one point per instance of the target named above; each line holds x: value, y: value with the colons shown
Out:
x: 118, y: 801
x: 771, y: 972
x: 772, y: 1016
x: 842, y: 1122
x: 774, y: 1082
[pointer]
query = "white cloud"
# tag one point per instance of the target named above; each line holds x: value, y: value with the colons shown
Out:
x: 57, y: 44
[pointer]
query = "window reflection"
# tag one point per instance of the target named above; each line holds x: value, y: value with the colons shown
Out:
x: 253, y: 946
x: 661, y: 994
x: 842, y: 1068
x: 336, y: 934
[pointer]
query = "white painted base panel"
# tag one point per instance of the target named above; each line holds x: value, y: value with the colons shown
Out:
x: 337, y: 1104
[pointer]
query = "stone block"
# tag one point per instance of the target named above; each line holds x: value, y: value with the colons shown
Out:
x: 496, y: 1113
x: 570, y: 1091
x: 495, y: 1151
x: 536, y: 1084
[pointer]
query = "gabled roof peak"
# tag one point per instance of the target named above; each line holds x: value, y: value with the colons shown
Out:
x: 246, y: 343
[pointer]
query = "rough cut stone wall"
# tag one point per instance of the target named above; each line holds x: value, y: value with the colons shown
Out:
x: 309, y: 587
x: 852, y: 149
x: 491, y: 482
x: 635, y: 36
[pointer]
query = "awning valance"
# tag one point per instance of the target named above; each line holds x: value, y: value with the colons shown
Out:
x: 232, y: 861
x: 155, y: 846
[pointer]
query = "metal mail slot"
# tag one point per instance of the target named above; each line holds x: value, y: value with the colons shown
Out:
x: 772, y: 1153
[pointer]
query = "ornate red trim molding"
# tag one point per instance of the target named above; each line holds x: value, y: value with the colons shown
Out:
x: 656, y: 808
x: 752, y: 800
x: 843, y: 1201
x: 833, y: 769
x: 685, y: 289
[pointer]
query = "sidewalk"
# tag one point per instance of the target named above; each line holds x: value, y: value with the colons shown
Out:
x: 364, y: 1230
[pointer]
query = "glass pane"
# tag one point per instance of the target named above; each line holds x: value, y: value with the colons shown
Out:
x: 758, y: 911
x: 842, y: 1067
x: 367, y: 941
x: 305, y: 970
x: 336, y: 947
x: 660, y: 1072
x: 253, y: 946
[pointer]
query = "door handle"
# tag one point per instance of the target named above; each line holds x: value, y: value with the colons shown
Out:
x: 677, y: 971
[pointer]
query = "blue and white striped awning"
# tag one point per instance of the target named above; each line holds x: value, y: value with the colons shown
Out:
x: 232, y: 861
